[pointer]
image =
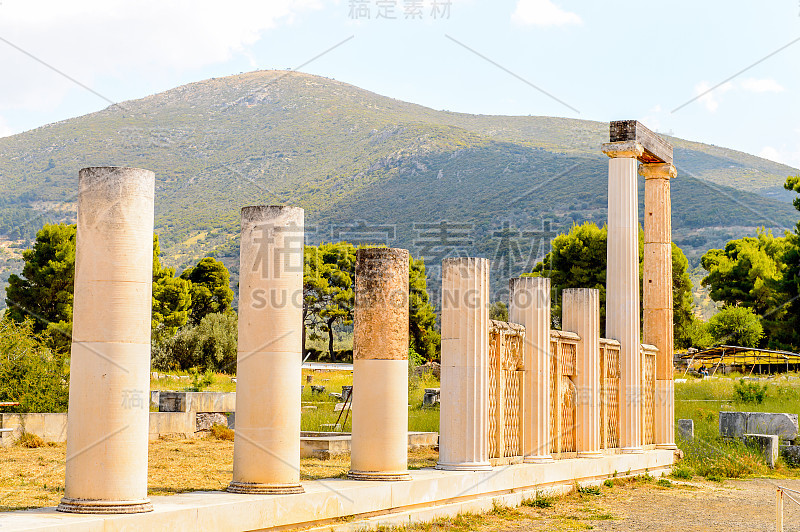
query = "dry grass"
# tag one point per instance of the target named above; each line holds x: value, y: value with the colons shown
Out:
x: 34, y: 477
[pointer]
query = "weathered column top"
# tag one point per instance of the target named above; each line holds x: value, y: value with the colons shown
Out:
x: 630, y: 149
x: 657, y: 171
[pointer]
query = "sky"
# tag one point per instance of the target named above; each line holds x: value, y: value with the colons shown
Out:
x: 721, y: 72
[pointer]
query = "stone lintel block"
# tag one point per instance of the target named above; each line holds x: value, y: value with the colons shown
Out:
x: 656, y: 149
x: 736, y: 424
x: 626, y: 149
x: 766, y: 443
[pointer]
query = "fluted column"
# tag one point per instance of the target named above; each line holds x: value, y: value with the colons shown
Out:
x: 464, y: 409
x: 107, y: 429
x: 657, y: 297
x: 580, y: 311
x: 622, y: 285
x: 379, y: 448
x: 266, y: 447
x: 530, y: 307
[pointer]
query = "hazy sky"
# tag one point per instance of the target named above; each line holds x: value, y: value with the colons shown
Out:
x: 597, y: 60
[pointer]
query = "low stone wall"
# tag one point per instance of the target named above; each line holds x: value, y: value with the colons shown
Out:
x: 325, y: 445
x: 222, y: 402
x: 49, y: 427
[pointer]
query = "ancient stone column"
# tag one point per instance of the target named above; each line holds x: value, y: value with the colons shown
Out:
x: 580, y: 310
x: 657, y: 288
x: 622, y: 285
x: 107, y: 429
x: 530, y: 307
x: 464, y: 409
x: 266, y: 447
x: 379, y: 448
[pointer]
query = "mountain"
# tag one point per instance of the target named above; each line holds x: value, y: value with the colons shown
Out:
x: 368, y: 169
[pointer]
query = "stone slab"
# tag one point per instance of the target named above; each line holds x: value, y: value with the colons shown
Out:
x: 430, y: 493
x: 686, y: 429
x: 767, y: 444
x: 791, y: 453
x: 736, y: 424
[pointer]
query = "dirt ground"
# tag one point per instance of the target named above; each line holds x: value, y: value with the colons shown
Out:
x: 747, y: 505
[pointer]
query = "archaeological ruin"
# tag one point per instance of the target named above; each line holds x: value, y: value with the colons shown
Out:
x: 524, y: 407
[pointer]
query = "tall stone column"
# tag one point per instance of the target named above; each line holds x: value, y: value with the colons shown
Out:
x: 622, y: 285
x: 581, y: 315
x: 266, y: 447
x: 657, y: 287
x: 530, y: 307
x: 379, y: 448
x: 464, y: 410
x: 107, y: 428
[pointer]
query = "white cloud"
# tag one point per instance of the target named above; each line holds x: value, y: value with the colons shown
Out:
x: 709, y: 97
x: 5, y: 129
x: 101, y: 39
x: 761, y: 85
x: 542, y: 13
x: 784, y: 154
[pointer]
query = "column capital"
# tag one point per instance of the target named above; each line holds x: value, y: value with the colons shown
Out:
x: 627, y: 149
x: 657, y: 171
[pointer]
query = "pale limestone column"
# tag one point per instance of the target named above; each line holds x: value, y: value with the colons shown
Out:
x: 580, y: 311
x: 379, y: 448
x: 266, y: 446
x: 464, y: 409
x: 530, y: 307
x: 107, y: 429
x: 657, y: 297
x: 622, y: 285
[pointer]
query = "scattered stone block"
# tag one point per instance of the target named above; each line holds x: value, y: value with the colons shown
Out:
x: 791, y: 453
x: 340, y: 406
x: 172, y: 402
x: 317, y: 389
x: 780, y: 424
x: 204, y: 420
x: 732, y: 424
x: 686, y: 429
x: 431, y: 396
x: 767, y: 444
x: 346, y: 392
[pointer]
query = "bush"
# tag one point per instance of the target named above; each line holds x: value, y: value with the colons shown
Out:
x: 750, y: 392
x: 540, y: 501
x: 30, y: 373
x: 589, y: 490
x: 682, y: 471
x: 210, y: 346
x: 221, y: 432
x: 31, y: 441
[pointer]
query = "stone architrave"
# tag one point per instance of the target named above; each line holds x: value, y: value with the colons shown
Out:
x: 581, y: 315
x: 622, y: 285
x: 657, y: 296
x: 266, y: 447
x: 380, y: 366
x: 107, y: 431
x: 530, y: 306
x: 464, y: 409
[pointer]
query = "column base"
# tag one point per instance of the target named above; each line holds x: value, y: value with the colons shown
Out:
x: 538, y: 459
x: 631, y: 450
x: 97, y: 506
x: 590, y: 454
x: 257, y: 488
x: 464, y: 466
x: 667, y: 446
x: 378, y: 475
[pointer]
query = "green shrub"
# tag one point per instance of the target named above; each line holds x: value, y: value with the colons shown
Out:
x: 539, y: 501
x: 30, y: 373
x: 750, y: 392
x: 608, y: 483
x: 682, y: 471
x: 209, y: 345
x: 589, y: 490
x: 664, y: 483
